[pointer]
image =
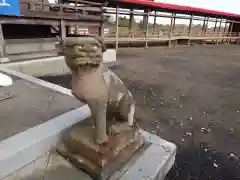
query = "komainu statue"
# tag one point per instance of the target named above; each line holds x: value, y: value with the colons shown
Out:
x: 111, y: 104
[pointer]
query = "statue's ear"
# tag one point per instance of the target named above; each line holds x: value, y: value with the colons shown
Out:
x: 101, y: 41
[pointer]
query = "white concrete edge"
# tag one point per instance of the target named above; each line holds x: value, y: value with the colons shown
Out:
x: 25, y: 147
x: 55, y: 58
x: 108, y: 56
x: 155, y: 162
x: 38, y: 81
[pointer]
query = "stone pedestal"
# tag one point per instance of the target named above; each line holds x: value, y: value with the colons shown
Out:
x: 100, y: 162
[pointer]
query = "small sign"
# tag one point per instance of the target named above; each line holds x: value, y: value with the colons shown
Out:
x: 9, y: 7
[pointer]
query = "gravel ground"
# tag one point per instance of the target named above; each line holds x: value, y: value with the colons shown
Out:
x: 189, y: 96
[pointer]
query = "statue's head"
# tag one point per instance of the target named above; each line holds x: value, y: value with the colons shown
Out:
x: 82, y: 51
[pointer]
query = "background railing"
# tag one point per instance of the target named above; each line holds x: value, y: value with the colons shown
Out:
x: 60, y: 11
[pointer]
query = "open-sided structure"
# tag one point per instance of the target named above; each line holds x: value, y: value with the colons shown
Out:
x: 226, y: 28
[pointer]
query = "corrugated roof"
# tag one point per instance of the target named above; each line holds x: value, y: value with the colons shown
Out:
x: 173, y: 7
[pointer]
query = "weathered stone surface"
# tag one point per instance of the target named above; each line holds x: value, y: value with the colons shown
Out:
x: 99, y: 161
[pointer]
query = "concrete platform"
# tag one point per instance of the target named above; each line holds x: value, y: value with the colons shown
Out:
x: 28, y: 153
x: 31, y: 105
x: 52, y: 65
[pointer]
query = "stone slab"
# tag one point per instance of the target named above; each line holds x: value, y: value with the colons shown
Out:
x: 53, y: 65
x: 31, y: 105
x: 48, y: 167
x: 80, y: 140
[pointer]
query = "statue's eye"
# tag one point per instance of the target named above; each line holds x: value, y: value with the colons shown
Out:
x: 79, y: 47
x: 95, y: 47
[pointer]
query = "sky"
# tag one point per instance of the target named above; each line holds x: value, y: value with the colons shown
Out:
x: 220, y: 5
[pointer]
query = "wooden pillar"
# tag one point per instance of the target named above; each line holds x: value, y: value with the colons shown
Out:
x: 230, y: 32
x: 63, y: 30
x: 215, y: 26
x: 117, y: 24
x: 174, y: 22
x: 3, y: 58
x: 101, y: 28
x: 220, y: 24
x: 190, y: 25
x: 171, y: 28
x: 190, y: 29
x: 145, y: 23
x: 131, y: 20
x: 224, y: 32
x: 206, y: 26
x: 225, y: 28
x: 154, y: 22
x: 219, y: 29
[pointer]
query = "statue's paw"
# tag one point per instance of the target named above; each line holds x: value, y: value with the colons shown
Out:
x: 136, y: 127
x: 113, y: 131
x: 102, y: 142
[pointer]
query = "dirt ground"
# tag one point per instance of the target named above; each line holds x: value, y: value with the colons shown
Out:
x: 189, y: 96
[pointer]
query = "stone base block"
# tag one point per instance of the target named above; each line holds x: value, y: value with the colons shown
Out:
x: 100, y: 162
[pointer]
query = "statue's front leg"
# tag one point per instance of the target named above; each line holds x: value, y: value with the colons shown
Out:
x: 98, y: 110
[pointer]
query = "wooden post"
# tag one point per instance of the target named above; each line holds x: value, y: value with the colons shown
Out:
x: 63, y: 30
x: 117, y: 24
x: 131, y: 19
x: 3, y: 58
x: 190, y: 25
x: 190, y: 29
x: 145, y: 22
x: 204, y: 25
x: 215, y: 26
x: 224, y: 32
x: 171, y: 28
x: 225, y: 28
x: 101, y: 28
x: 219, y: 28
x: 230, y: 32
x: 154, y: 22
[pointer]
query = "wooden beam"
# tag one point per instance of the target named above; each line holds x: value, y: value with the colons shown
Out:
x: 63, y: 29
x: 225, y: 27
x: 154, y: 23
x: 203, y: 27
x: 131, y: 19
x: 190, y: 29
x: 1, y: 42
x: 230, y: 31
x: 206, y: 26
x: 219, y: 28
x: 215, y: 26
x: 171, y: 28
x: 117, y: 24
x: 224, y: 31
x: 146, y: 26
x: 190, y: 25
x: 101, y: 27
x: 3, y: 57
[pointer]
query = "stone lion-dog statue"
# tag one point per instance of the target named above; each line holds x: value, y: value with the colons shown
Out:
x: 99, y: 87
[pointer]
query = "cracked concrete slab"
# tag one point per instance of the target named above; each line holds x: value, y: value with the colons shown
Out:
x: 31, y: 105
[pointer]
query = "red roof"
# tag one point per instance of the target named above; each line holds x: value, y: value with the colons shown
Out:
x: 178, y: 8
